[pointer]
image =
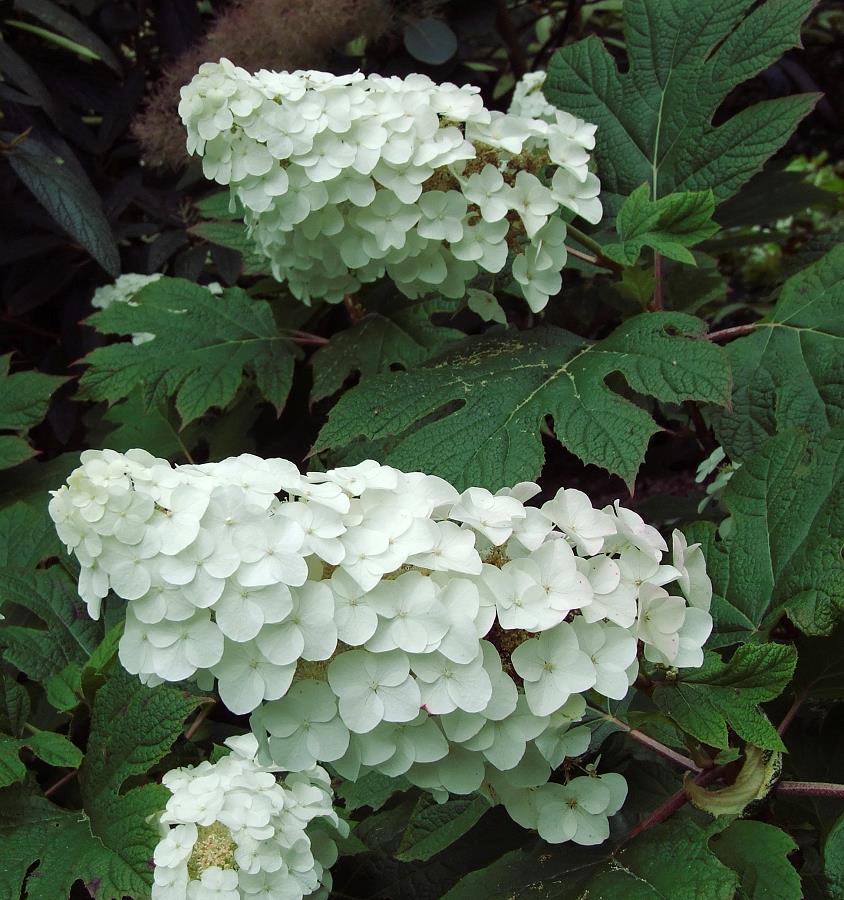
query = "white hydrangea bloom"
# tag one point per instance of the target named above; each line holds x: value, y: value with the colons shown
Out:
x: 231, y: 830
x: 347, y: 178
x: 379, y: 620
x: 529, y: 101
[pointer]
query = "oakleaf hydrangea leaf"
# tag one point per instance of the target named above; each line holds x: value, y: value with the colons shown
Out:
x: 704, y: 701
x: 69, y: 635
x: 400, y: 333
x: 108, y: 844
x: 783, y: 551
x: 24, y: 398
x: 434, y: 826
x: 759, y: 853
x: 654, y: 120
x: 203, y: 346
x: 473, y: 415
x: 670, y: 860
x: 790, y: 371
x: 668, y: 226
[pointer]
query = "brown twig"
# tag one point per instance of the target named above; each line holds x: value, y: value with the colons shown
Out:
x: 515, y: 52
x: 656, y: 303
x: 655, y: 745
x: 788, y: 718
x: 69, y: 776
x: 703, y: 434
x: 727, y: 334
x: 559, y: 34
x: 200, y: 718
x: 674, y: 802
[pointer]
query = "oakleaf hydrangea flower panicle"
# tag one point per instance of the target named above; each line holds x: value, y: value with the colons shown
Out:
x: 232, y: 830
x: 381, y: 620
x: 344, y: 179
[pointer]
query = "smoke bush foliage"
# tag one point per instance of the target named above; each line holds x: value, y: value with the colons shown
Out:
x: 451, y: 506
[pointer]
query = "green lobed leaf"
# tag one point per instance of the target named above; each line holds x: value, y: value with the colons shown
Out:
x: 399, y: 334
x: 434, y: 826
x: 203, y: 346
x: 372, y: 789
x: 759, y: 853
x: 833, y: 858
x: 64, y: 689
x: 704, y: 701
x: 654, y: 120
x: 156, y: 429
x: 24, y: 400
x: 108, y: 844
x: 69, y: 635
x: 783, y: 553
x: 473, y: 415
x: 669, y: 861
x: 234, y: 236
x: 68, y: 196
x: 27, y: 535
x: 12, y: 768
x: 54, y: 749
x: 14, y: 705
x: 668, y: 226
x: 789, y: 372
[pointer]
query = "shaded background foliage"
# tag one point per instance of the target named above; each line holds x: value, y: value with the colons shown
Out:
x: 95, y: 183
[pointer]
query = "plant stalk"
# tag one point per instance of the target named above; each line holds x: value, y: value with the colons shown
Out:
x: 595, y: 247
x: 727, y: 334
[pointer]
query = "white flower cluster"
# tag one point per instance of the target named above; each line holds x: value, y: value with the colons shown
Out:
x: 231, y: 830
x: 377, y: 619
x: 124, y: 290
x: 346, y: 178
x: 528, y: 100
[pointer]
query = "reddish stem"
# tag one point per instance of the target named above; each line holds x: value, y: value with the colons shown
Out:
x: 655, y: 745
x: 69, y: 776
x: 201, y: 717
x: 810, y: 789
x: 727, y: 334
x: 656, y: 304
x: 788, y: 718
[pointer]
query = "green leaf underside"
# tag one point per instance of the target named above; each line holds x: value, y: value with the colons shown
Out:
x: 790, y: 371
x: 759, y: 853
x: 668, y: 226
x: 783, y: 554
x: 109, y: 844
x: 492, y: 394
x: 24, y: 399
x: 399, y: 335
x: 704, y: 701
x: 202, y: 348
x: 671, y: 861
x: 654, y: 121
